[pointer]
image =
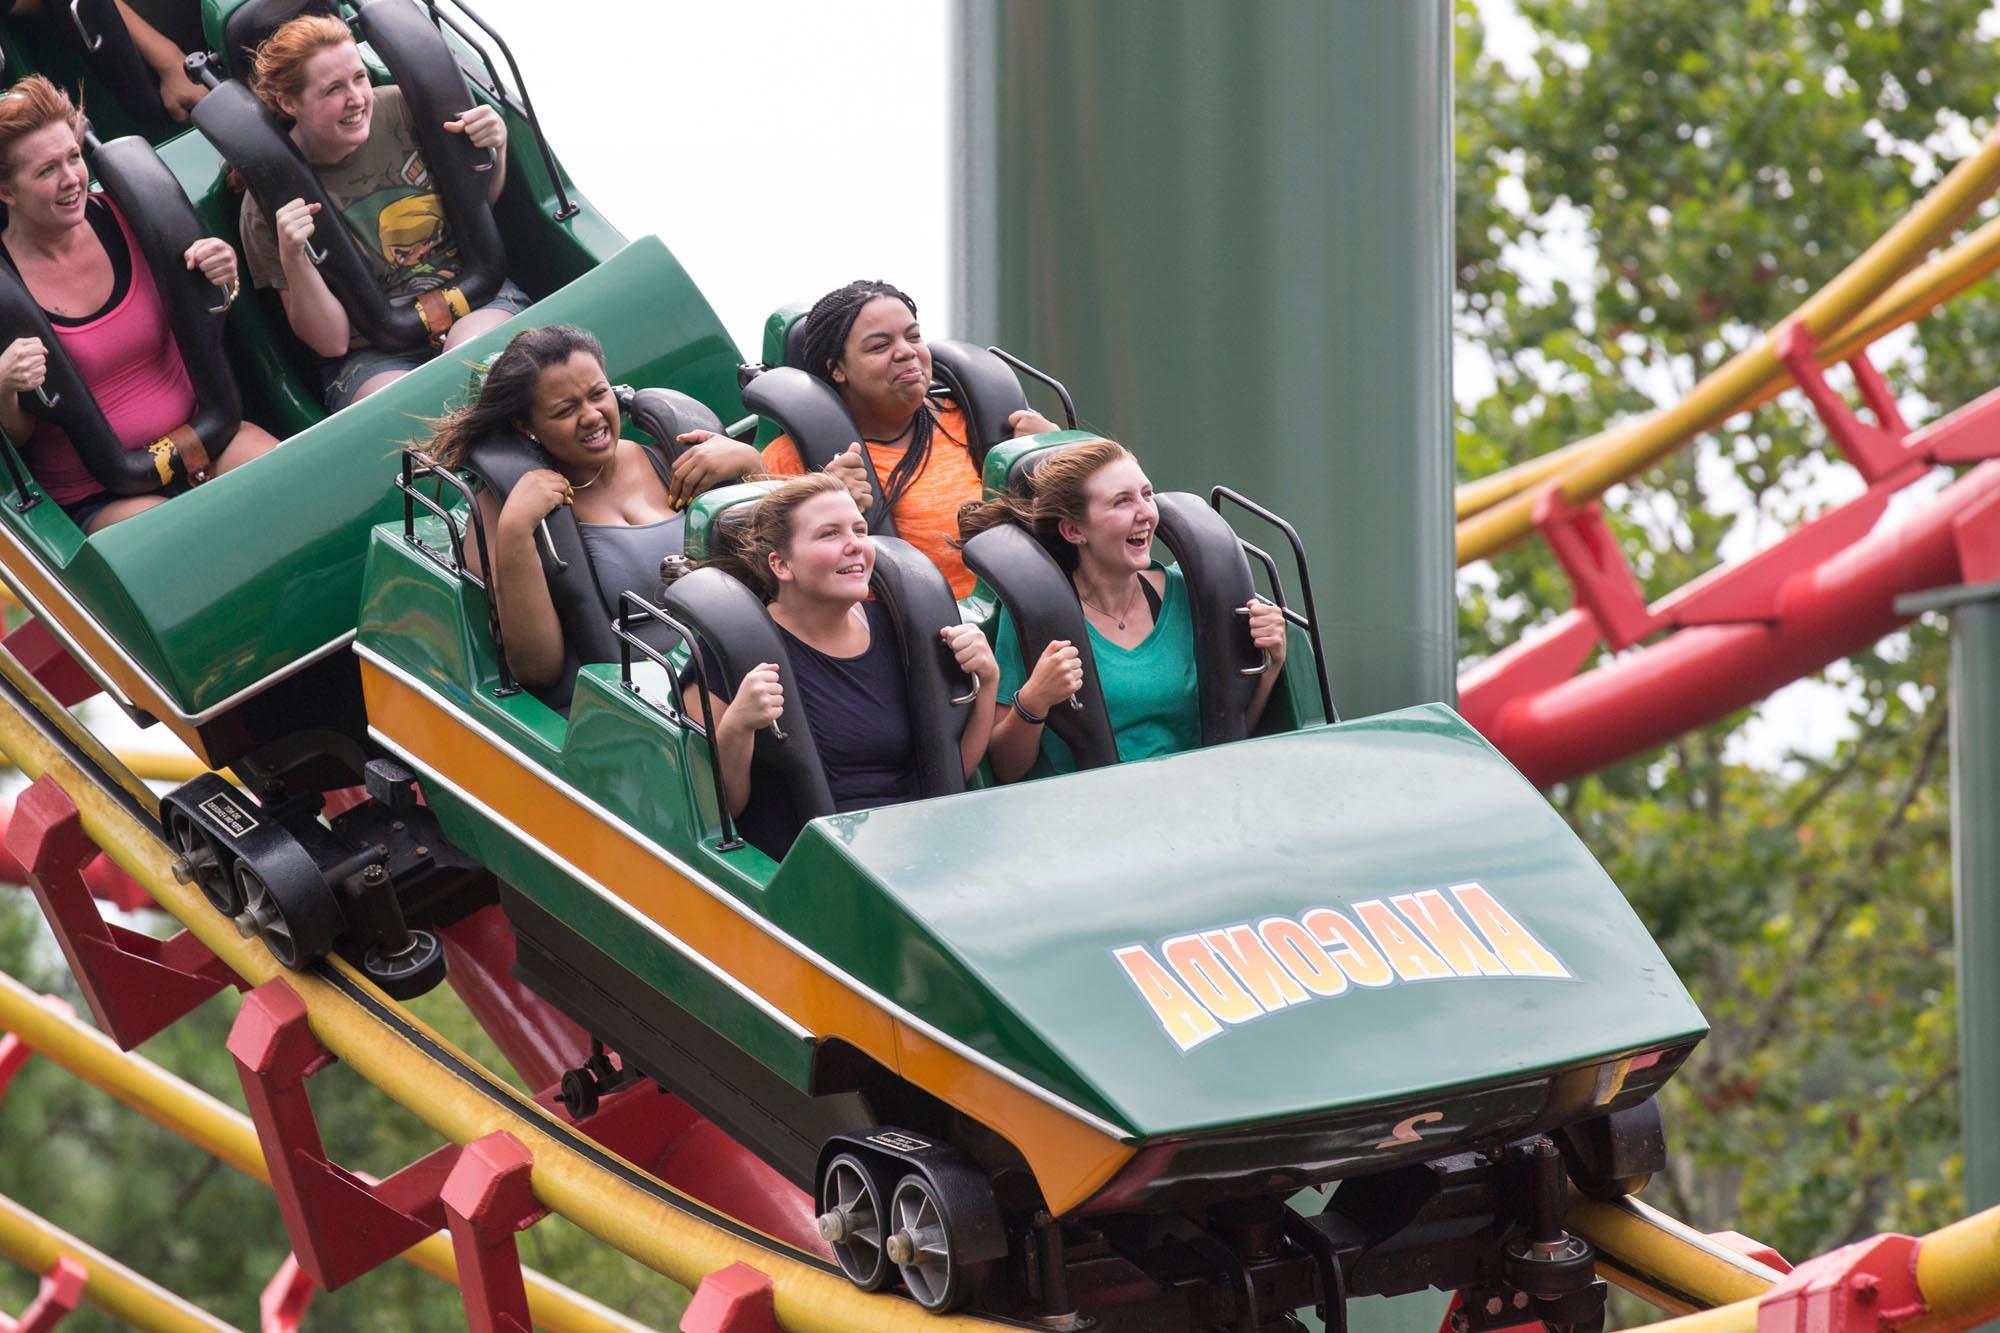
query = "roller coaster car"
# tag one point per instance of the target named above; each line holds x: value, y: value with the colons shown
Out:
x: 227, y: 614
x: 1065, y: 1048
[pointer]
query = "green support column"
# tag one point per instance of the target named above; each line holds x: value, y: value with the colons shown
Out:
x: 1226, y: 227
x: 1975, y: 869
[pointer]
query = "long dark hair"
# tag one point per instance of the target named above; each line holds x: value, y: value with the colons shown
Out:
x: 827, y: 325
x: 509, y: 391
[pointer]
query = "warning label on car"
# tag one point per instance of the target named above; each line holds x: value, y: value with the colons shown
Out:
x: 234, y: 819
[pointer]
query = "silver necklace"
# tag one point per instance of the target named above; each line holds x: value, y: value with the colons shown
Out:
x: 1118, y: 616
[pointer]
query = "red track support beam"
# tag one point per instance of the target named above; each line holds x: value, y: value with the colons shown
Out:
x: 1860, y: 1288
x: 736, y: 1299
x: 1605, y: 586
x: 487, y: 1198
x: 50, y: 663
x: 340, y: 1225
x: 1876, y: 450
x: 135, y: 984
x: 62, y: 1290
x: 281, y: 1308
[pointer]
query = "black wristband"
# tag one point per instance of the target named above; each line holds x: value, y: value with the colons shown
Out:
x: 1026, y: 716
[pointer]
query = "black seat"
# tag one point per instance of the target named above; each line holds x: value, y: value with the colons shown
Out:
x: 812, y: 413
x: 585, y: 607
x: 96, y: 30
x: 734, y: 626
x: 250, y: 138
x: 1218, y: 580
x: 251, y: 24
x: 1043, y: 605
x: 984, y: 386
x: 164, y: 225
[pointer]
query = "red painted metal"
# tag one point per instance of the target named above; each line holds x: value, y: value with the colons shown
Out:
x: 61, y: 1292
x: 1877, y: 450
x: 49, y: 663
x: 281, y: 1308
x: 487, y: 1198
x: 1824, y: 591
x: 1605, y: 586
x: 650, y: 1128
x: 135, y: 984
x: 1865, y: 1287
x: 736, y: 1299
x: 537, y: 1039
x: 1751, y: 1248
x: 340, y: 1224
x: 106, y: 878
x: 1824, y: 611
x: 14, y: 1053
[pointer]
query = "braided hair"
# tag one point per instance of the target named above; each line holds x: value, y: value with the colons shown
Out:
x: 827, y: 325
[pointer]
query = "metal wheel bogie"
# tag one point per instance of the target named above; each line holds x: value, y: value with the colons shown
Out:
x: 296, y: 920
x: 920, y: 1244
x: 851, y: 1220
x: 204, y: 862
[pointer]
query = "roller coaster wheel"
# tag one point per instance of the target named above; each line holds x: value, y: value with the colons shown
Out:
x: 203, y: 864
x: 298, y: 932
x: 922, y: 1245
x: 579, y: 1093
x: 413, y: 971
x: 851, y: 1221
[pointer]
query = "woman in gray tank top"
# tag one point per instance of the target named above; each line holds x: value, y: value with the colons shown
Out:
x: 550, y: 385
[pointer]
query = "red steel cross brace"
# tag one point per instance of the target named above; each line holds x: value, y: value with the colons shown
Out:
x: 135, y: 984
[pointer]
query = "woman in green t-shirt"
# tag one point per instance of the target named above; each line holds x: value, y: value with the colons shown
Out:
x: 1093, y: 508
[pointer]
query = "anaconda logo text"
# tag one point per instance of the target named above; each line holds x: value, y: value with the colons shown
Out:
x: 1234, y: 974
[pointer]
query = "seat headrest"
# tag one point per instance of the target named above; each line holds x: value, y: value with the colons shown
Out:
x: 251, y: 24
x: 984, y: 386
x: 666, y: 414
x: 795, y: 344
x: 1217, y: 574
x: 724, y: 508
x: 819, y: 425
x: 734, y: 626
x: 1041, y: 601
x: 919, y: 602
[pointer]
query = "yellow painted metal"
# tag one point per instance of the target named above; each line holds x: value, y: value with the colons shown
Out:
x: 676, y: 1241
x: 1630, y: 448
x: 1913, y: 296
x: 36, y: 1244
x: 1663, y: 1261
x: 227, y: 1135
x: 1958, y: 1272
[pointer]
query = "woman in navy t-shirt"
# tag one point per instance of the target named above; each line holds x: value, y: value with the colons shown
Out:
x: 810, y: 556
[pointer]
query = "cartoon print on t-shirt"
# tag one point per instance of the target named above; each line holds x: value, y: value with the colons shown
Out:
x: 404, y: 222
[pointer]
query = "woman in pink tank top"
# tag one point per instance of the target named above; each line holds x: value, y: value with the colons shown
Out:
x: 78, y: 259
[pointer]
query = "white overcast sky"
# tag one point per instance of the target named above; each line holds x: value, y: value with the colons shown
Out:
x: 779, y: 148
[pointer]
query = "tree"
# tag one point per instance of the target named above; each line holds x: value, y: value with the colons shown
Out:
x: 1687, y: 173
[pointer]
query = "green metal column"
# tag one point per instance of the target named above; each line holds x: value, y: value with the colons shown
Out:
x: 1975, y: 869
x: 1226, y: 227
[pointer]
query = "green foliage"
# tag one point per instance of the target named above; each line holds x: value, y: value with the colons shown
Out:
x: 1689, y: 172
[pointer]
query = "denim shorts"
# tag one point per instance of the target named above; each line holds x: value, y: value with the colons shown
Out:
x: 342, y: 378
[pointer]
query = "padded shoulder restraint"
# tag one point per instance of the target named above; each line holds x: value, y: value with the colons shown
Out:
x: 666, y: 414
x: 819, y: 424
x: 985, y: 387
x: 164, y: 225
x: 1218, y: 580
x: 500, y: 461
x: 434, y: 88
x: 920, y: 604
x: 1044, y: 608
x: 97, y: 29
x: 736, y: 628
